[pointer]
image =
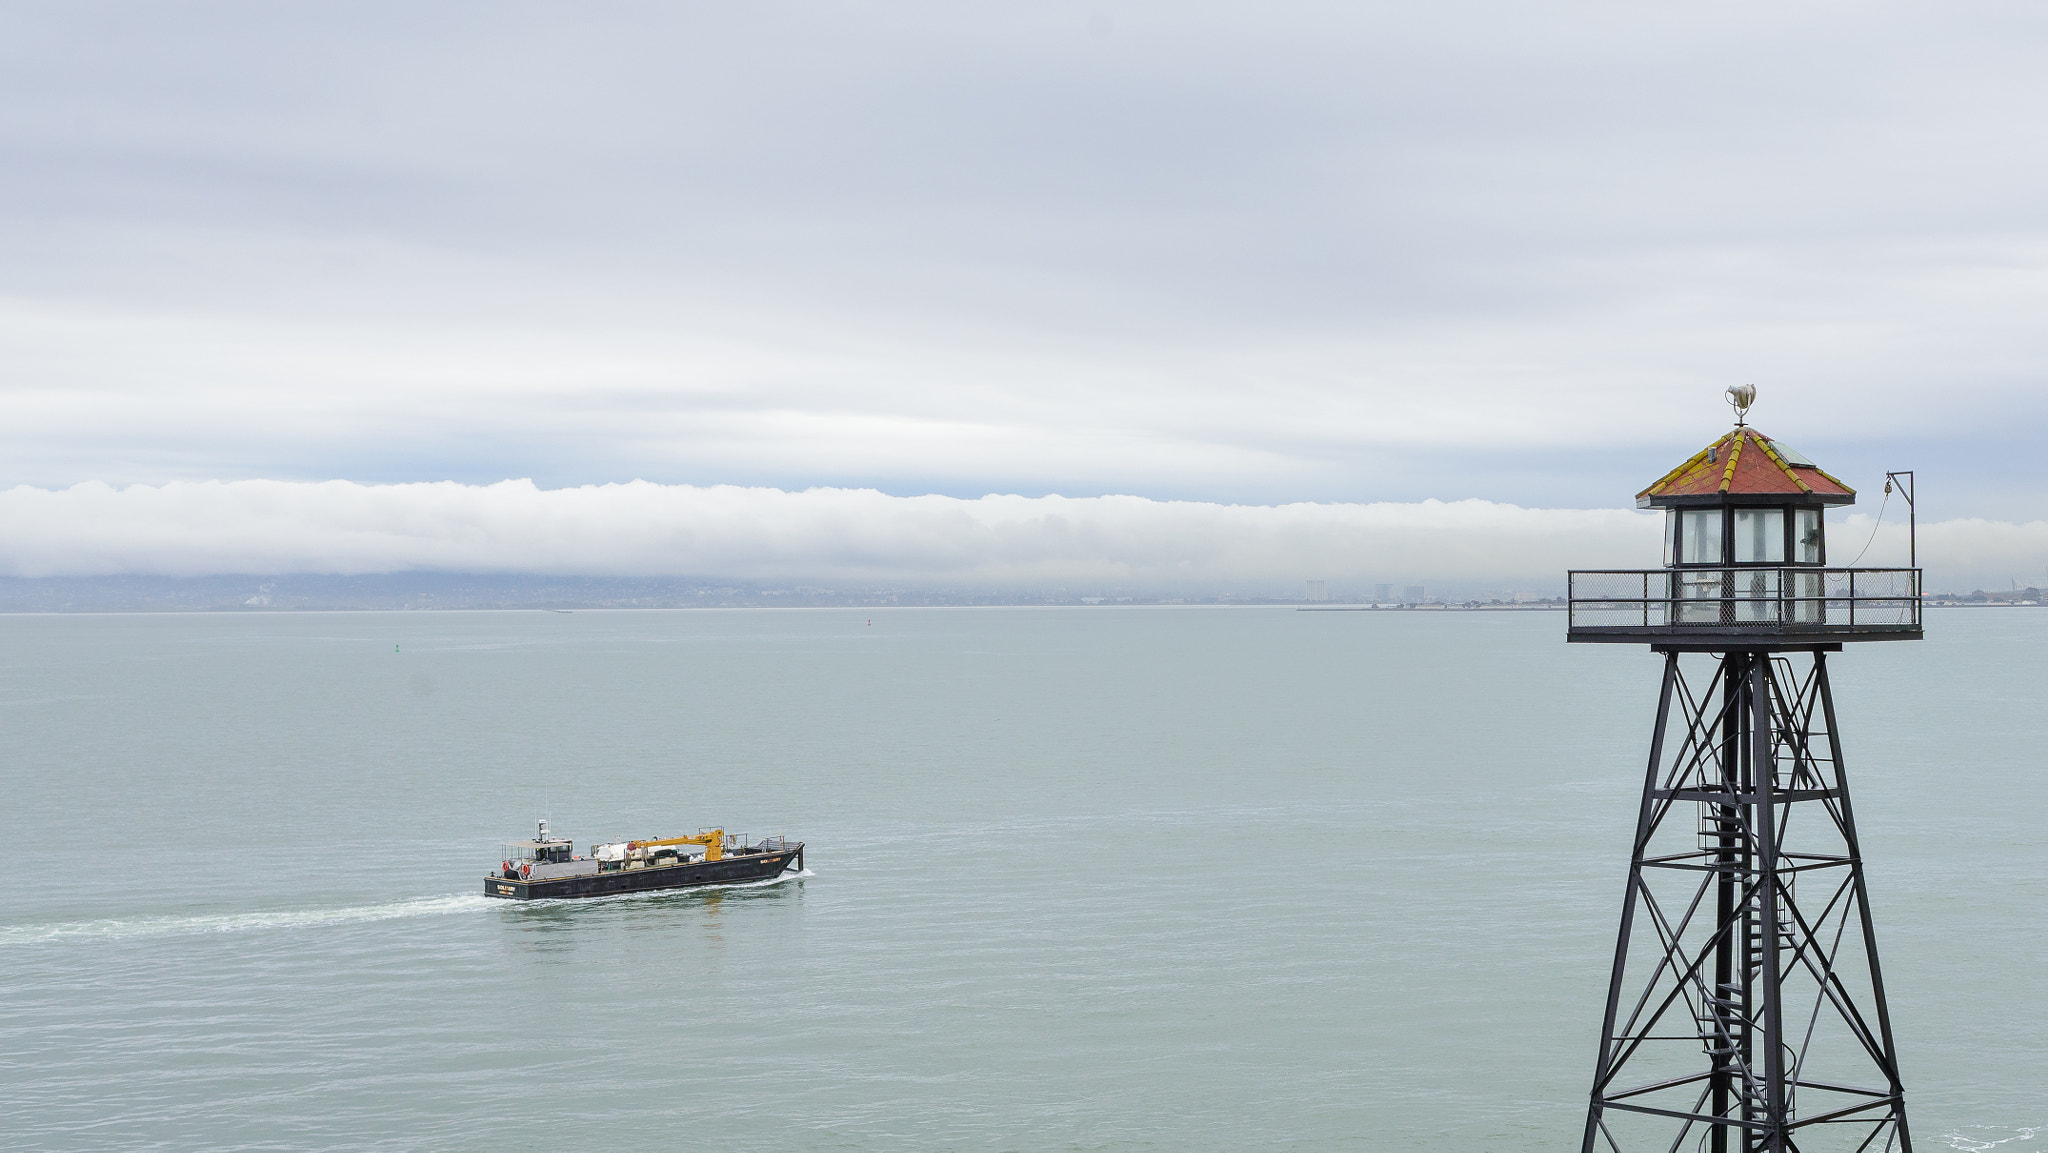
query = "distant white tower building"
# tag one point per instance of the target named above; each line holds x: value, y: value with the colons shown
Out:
x: 1317, y: 591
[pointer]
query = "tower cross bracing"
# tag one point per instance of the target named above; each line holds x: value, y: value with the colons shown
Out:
x: 1746, y: 1003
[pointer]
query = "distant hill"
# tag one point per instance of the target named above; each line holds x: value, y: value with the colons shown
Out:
x: 434, y: 590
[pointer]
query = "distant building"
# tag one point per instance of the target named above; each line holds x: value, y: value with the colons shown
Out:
x: 1382, y: 593
x: 1412, y: 595
x: 1317, y: 591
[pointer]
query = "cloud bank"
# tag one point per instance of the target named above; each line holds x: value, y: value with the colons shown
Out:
x: 647, y: 529
x: 1252, y: 254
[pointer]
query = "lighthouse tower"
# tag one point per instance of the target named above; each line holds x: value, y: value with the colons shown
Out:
x: 1746, y: 1010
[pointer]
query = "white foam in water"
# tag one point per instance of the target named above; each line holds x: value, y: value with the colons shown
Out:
x: 1978, y: 1138
x: 120, y: 928
x: 241, y: 922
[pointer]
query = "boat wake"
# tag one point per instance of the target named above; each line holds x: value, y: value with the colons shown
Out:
x: 1981, y: 1138
x: 128, y: 927
x: 124, y: 928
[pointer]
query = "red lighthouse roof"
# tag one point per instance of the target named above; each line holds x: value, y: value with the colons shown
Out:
x: 1745, y: 463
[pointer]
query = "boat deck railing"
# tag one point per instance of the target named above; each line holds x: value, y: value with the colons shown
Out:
x: 1744, y: 600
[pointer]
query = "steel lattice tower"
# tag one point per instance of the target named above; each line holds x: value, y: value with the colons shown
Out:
x: 1746, y: 1009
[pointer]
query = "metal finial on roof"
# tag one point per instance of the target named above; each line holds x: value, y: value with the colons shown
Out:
x: 1740, y: 398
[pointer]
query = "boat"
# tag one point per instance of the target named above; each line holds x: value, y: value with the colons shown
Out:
x: 548, y: 866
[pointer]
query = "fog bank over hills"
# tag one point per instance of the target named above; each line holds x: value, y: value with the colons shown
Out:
x: 262, y: 543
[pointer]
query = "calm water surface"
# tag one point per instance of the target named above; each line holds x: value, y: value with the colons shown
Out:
x: 1174, y: 879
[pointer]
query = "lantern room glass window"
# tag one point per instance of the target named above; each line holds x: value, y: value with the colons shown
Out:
x: 1759, y: 536
x: 1806, y: 536
x: 1699, y: 536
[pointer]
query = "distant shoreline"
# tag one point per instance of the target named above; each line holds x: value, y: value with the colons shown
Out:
x: 415, y: 591
x: 569, y: 611
x: 1433, y: 608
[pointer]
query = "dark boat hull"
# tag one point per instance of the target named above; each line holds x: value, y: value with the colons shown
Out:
x: 732, y: 870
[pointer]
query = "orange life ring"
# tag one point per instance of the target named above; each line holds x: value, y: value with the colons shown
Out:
x: 526, y: 870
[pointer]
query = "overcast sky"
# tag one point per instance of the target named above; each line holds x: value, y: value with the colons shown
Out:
x: 1246, y: 254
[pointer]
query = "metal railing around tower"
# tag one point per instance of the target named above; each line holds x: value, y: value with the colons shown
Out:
x: 1792, y: 599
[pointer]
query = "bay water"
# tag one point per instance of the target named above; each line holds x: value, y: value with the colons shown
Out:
x: 1079, y: 879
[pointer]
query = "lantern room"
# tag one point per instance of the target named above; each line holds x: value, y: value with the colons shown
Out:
x: 1745, y: 560
x: 1745, y: 500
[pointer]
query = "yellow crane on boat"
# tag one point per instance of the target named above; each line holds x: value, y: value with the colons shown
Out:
x: 713, y: 842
